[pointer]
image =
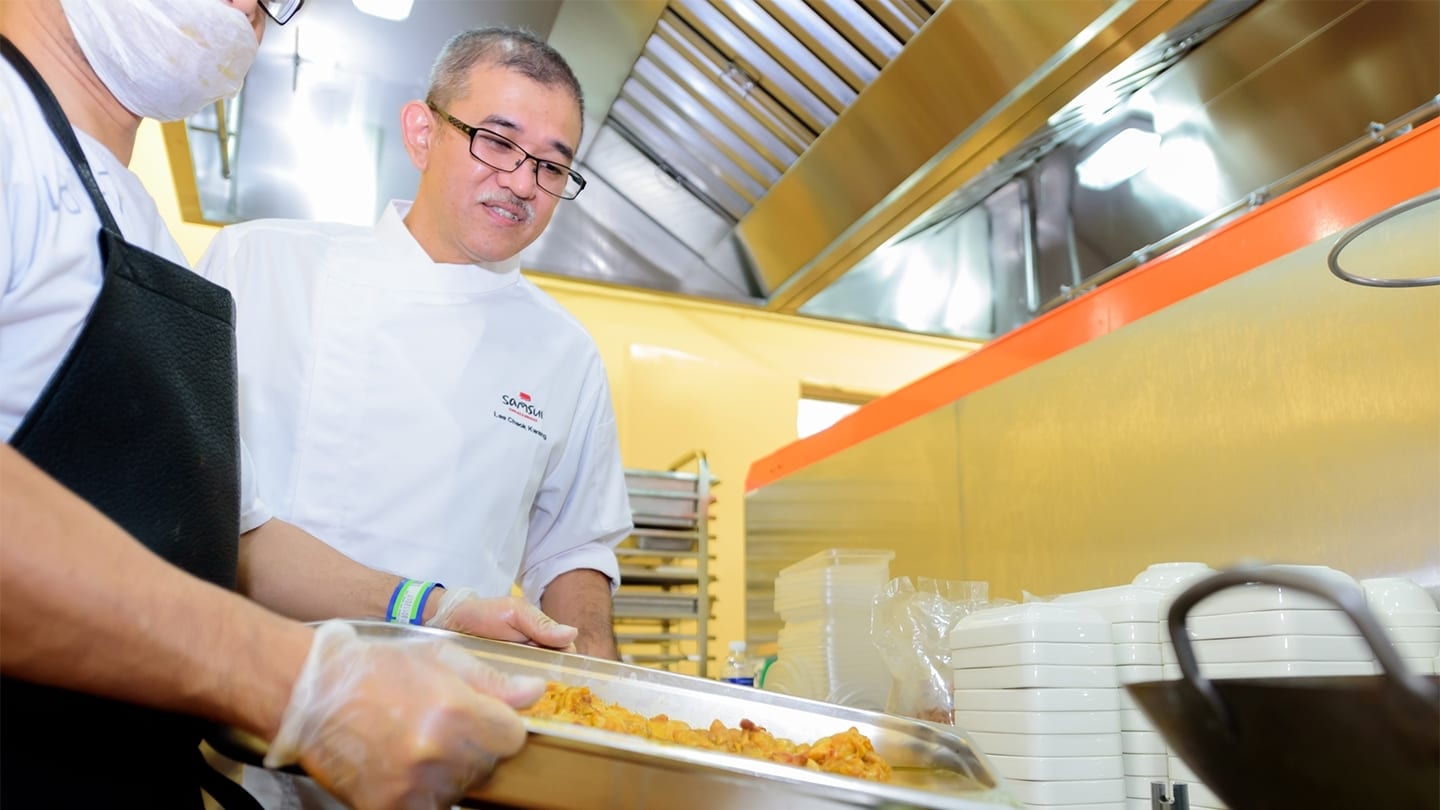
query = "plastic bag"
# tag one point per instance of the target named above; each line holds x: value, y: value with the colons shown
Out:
x: 910, y: 625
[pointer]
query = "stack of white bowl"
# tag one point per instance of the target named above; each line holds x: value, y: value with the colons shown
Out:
x: 1411, y: 619
x: 1268, y: 631
x: 1136, y: 613
x: 824, y: 649
x: 1035, y: 689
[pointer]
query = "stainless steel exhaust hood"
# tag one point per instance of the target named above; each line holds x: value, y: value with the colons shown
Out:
x: 773, y: 153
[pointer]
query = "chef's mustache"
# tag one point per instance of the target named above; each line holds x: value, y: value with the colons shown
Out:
x: 526, y: 210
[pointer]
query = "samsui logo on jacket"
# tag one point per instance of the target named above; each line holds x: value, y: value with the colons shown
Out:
x: 523, y: 405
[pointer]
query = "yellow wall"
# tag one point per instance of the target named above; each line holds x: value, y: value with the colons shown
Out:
x: 687, y: 374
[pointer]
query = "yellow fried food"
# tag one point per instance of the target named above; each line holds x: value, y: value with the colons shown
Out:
x: 848, y: 753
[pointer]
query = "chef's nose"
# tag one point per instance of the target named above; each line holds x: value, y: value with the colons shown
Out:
x: 252, y: 11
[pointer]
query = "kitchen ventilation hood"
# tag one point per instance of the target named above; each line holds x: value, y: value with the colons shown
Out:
x: 775, y: 153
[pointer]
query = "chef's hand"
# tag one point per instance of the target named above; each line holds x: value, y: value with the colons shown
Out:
x: 407, y: 725
x: 507, y: 618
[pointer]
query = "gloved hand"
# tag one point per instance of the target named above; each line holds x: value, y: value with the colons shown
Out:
x: 507, y: 618
x: 407, y: 725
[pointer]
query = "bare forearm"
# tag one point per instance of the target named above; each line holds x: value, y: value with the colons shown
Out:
x: 582, y: 599
x: 83, y: 606
x: 298, y: 575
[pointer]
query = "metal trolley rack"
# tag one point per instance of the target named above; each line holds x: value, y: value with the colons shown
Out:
x: 662, y: 610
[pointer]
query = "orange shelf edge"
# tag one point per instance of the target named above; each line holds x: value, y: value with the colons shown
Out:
x: 1391, y: 173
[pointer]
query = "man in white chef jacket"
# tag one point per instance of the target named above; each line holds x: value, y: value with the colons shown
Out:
x: 408, y: 395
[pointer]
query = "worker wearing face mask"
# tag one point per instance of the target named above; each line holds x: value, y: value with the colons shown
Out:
x: 123, y: 496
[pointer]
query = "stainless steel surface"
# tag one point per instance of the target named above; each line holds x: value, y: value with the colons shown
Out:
x: 807, y: 156
x: 572, y: 767
x: 664, y: 595
x: 1238, y: 107
x: 1360, y: 230
x: 1283, y: 415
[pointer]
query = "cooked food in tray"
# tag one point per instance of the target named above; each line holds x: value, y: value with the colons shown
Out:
x: 848, y: 753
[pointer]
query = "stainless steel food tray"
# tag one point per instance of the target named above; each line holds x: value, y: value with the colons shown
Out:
x: 575, y: 768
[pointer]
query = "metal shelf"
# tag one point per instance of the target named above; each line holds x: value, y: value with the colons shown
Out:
x: 665, y: 561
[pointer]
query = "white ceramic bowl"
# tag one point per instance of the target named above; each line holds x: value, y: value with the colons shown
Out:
x: 1258, y: 596
x: 1143, y: 654
x: 1142, y: 742
x: 1039, y: 722
x: 1278, y: 669
x: 1122, y: 604
x: 1031, y: 676
x: 1058, y: 768
x: 1422, y: 666
x: 1138, y: 787
x: 1043, y: 652
x: 1249, y: 624
x: 1030, y: 622
x: 1171, y: 576
x: 1146, y: 764
x: 1047, y: 745
x: 1413, y: 635
x: 1137, y: 632
x: 1139, y: 673
x: 1102, y: 699
x: 1397, y: 595
x: 1281, y: 648
x: 1135, y: 720
x: 1069, y: 792
x: 1416, y: 649
x: 1410, y: 619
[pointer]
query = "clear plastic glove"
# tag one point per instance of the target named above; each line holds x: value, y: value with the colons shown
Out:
x: 405, y: 725
x: 506, y: 618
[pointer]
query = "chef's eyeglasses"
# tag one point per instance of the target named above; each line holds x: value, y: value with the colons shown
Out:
x: 281, y: 10
x: 502, y: 154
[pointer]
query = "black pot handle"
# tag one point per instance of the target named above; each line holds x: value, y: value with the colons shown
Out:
x: 1348, y: 599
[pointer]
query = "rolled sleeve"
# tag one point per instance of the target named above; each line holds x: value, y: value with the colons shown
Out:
x: 596, y: 556
x: 253, y: 511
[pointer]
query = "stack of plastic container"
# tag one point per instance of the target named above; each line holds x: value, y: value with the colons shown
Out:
x: 824, y: 650
x: 1411, y: 619
x: 1268, y: 631
x: 1035, y: 689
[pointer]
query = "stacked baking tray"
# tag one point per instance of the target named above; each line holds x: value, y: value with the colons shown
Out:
x: 662, y: 609
x: 568, y: 767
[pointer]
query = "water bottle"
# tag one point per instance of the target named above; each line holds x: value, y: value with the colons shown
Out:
x: 737, y: 667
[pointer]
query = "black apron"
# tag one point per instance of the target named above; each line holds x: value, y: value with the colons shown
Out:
x: 140, y: 419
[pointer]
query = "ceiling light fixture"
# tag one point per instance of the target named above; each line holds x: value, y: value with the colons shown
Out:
x: 1121, y: 157
x: 395, y: 10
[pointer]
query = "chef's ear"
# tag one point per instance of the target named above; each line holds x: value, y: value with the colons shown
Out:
x: 417, y: 126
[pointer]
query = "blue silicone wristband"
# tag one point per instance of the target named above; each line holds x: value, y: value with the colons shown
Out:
x: 424, y: 597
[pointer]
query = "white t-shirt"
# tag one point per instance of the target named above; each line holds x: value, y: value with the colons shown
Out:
x: 438, y: 421
x: 50, y: 270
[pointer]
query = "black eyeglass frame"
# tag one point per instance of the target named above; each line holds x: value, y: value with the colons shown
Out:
x: 281, y: 18
x: 470, y: 132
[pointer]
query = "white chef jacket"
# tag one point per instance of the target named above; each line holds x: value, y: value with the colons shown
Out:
x: 50, y: 271
x: 437, y: 421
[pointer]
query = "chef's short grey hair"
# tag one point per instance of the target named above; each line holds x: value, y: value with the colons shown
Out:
x: 512, y: 48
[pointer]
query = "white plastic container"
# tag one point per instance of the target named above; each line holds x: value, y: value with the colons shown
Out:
x: 1035, y: 676
x: 1005, y: 655
x: 1049, y: 793
x: 1058, y: 768
x: 1100, y: 699
x: 1030, y: 622
x: 1039, y: 722
x: 1047, y: 745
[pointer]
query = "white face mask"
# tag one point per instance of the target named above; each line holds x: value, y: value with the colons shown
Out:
x: 164, y: 59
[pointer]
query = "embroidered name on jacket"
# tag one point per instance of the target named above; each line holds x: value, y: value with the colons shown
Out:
x: 520, y: 410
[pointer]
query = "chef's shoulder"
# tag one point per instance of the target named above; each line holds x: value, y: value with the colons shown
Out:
x: 560, y: 327
x: 271, y: 245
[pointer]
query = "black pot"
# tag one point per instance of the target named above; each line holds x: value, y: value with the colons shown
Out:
x: 1358, y: 742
